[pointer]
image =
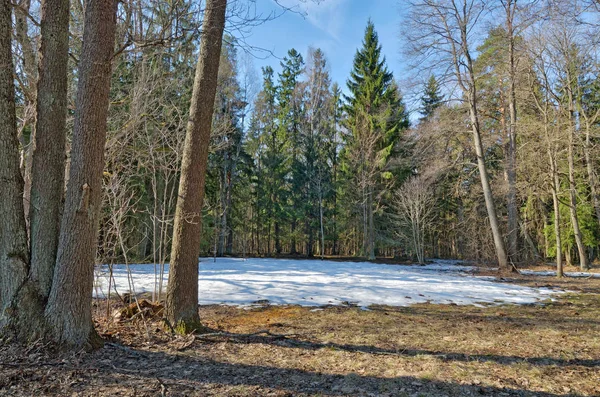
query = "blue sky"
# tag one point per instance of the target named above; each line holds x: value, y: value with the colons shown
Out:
x: 335, y: 26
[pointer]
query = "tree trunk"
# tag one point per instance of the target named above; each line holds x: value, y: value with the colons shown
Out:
x: 27, y: 47
x: 371, y: 226
x: 182, y: 289
x: 590, y: 171
x: 556, y: 204
x: 277, y: 238
x: 28, y: 86
x: 511, y: 163
x: 583, y: 262
x: 321, y: 225
x: 48, y: 167
x: 293, y: 250
x: 224, y: 191
x: 14, y: 256
x: 471, y: 90
x: 68, y: 312
x: 485, y: 184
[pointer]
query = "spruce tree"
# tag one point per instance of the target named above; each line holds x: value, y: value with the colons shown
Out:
x: 289, y: 115
x: 271, y: 170
x: 375, y: 120
x: 317, y: 141
x: 431, y: 99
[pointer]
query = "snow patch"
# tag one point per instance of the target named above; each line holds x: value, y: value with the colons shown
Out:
x: 243, y: 282
x: 553, y: 273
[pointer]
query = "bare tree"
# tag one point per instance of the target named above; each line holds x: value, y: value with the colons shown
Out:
x: 551, y: 138
x: 415, y: 208
x: 182, y: 290
x: 516, y: 20
x: 441, y: 34
x: 562, y: 59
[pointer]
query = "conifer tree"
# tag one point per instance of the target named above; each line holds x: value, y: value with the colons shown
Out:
x: 317, y: 140
x: 431, y: 99
x: 288, y: 118
x: 375, y: 119
x: 266, y: 146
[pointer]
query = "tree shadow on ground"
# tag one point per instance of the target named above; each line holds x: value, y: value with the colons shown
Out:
x: 406, y: 352
x: 189, y: 375
x: 525, y: 319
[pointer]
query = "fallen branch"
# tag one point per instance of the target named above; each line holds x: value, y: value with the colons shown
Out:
x: 43, y: 364
x: 242, y: 336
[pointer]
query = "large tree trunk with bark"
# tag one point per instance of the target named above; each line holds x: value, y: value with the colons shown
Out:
x: 487, y: 190
x: 48, y: 167
x: 371, y: 226
x: 583, y: 259
x: 14, y: 257
x: 182, y: 290
x: 511, y: 161
x: 556, y: 206
x: 22, y: 11
x: 592, y: 179
x: 69, y: 306
x: 470, y: 89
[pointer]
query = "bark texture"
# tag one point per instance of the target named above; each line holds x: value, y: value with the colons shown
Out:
x: 467, y: 83
x: 48, y: 168
x: 69, y: 306
x: 511, y: 161
x: 27, y: 84
x: 583, y: 259
x: 487, y: 190
x: 182, y: 290
x: 14, y: 261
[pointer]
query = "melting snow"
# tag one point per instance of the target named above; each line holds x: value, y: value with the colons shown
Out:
x: 553, y: 273
x: 315, y: 283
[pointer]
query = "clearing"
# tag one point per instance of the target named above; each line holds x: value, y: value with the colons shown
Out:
x: 543, y: 348
x: 315, y: 283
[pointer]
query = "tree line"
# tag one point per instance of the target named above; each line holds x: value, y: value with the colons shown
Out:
x: 295, y: 167
x: 526, y: 74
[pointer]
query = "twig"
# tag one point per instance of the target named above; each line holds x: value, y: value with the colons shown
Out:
x: 163, y: 387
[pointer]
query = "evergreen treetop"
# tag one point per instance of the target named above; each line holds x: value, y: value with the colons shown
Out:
x: 370, y: 79
x: 431, y: 99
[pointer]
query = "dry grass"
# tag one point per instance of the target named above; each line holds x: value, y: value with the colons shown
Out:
x: 430, y: 350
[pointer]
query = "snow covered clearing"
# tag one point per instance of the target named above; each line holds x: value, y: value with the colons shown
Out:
x: 315, y: 283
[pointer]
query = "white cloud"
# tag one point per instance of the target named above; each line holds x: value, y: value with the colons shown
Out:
x: 327, y: 15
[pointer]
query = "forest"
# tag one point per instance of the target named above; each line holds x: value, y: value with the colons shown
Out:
x: 389, y: 234
x: 301, y: 165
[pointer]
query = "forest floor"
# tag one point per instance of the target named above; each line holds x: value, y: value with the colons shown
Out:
x: 550, y: 348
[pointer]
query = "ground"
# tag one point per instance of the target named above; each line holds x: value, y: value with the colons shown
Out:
x: 550, y: 348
